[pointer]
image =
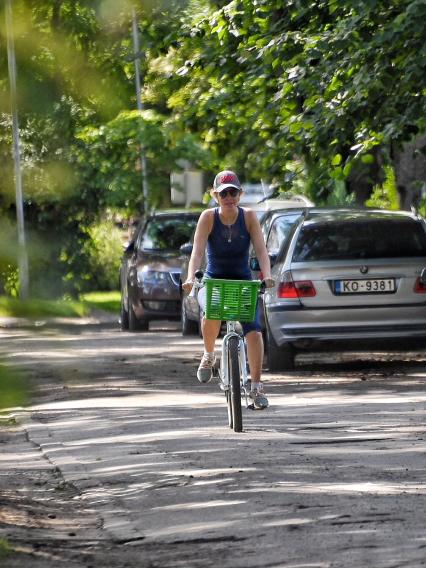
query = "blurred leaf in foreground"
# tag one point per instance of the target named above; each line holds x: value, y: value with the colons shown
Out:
x: 13, y: 388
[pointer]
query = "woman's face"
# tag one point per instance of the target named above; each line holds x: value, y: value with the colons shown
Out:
x: 229, y: 197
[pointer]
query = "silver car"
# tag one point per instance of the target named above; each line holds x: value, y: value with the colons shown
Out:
x: 345, y: 275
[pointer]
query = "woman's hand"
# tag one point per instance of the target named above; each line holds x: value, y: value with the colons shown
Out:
x: 269, y: 282
x: 187, y: 286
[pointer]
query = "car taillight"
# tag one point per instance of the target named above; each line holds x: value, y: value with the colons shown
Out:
x: 419, y: 287
x: 296, y: 289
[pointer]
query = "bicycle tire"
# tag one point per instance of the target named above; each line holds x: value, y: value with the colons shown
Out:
x: 235, y: 384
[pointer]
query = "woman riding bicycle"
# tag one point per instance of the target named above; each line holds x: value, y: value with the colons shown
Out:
x: 227, y: 231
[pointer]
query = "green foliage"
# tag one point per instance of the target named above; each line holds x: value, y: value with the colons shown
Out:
x: 110, y: 156
x: 79, y: 142
x: 385, y: 196
x: 8, y: 255
x: 339, y: 197
x: 263, y: 82
x: 104, y: 251
x: 255, y: 86
x: 13, y: 393
x: 10, y: 278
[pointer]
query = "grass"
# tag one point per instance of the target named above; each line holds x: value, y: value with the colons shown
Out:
x: 35, y: 308
x: 13, y: 390
x: 5, y: 548
x: 107, y: 301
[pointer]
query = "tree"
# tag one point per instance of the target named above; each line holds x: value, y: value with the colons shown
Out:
x: 331, y: 82
x: 79, y: 138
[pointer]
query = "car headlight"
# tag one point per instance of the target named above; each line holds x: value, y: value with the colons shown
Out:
x: 149, y: 276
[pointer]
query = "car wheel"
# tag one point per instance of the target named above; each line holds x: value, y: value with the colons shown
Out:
x: 124, y: 316
x: 279, y: 358
x: 136, y: 324
x: 189, y: 327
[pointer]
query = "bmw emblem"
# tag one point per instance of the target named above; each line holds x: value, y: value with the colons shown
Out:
x: 363, y: 269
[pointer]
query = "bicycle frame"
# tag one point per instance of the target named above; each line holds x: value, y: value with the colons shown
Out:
x: 224, y: 370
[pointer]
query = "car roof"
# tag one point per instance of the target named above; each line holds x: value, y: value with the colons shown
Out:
x: 282, y: 211
x: 329, y: 215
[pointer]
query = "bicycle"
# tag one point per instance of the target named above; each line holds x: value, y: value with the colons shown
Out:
x: 232, y: 301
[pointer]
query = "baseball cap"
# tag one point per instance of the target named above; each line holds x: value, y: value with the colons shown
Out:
x: 226, y: 179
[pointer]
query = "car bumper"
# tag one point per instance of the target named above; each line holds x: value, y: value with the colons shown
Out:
x: 158, y: 309
x: 298, y: 324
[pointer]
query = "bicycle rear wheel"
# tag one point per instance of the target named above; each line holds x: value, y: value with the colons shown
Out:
x: 234, y: 395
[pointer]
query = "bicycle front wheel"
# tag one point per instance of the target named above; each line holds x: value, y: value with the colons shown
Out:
x: 234, y: 384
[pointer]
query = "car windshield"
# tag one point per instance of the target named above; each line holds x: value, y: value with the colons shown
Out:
x: 168, y: 233
x: 371, y: 238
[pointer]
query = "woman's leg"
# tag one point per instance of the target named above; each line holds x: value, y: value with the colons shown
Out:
x: 210, y: 329
x: 254, y: 341
x: 255, y: 354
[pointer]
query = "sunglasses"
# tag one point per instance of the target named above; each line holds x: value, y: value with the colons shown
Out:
x: 232, y: 191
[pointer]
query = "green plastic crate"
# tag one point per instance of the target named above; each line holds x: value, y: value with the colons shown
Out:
x: 232, y: 300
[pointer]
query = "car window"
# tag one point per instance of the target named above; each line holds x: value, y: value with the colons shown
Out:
x: 372, y: 238
x: 280, y: 230
x: 167, y: 234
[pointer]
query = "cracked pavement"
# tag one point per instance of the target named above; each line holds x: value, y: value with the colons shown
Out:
x: 123, y: 459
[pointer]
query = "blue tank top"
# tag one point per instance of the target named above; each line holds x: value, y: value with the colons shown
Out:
x: 228, y: 249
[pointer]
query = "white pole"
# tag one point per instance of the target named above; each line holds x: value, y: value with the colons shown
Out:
x: 22, y: 252
x: 139, y: 104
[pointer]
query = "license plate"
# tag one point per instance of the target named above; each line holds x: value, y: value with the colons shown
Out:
x: 369, y: 286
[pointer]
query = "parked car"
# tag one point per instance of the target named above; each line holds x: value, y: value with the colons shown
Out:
x: 190, y: 311
x: 150, y: 269
x: 277, y: 227
x: 343, y: 276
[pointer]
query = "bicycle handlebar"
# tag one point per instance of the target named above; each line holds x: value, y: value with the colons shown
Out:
x: 199, y: 276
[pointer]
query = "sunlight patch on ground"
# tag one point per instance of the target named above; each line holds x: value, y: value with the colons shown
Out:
x: 373, y: 488
x: 149, y: 399
x: 190, y: 529
x: 196, y: 505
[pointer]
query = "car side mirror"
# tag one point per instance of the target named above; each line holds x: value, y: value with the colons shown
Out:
x: 129, y: 247
x: 273, y: 258
x: 423, y: 276
x: 186, y: 249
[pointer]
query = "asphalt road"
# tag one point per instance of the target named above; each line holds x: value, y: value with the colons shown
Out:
x: 123, y: 459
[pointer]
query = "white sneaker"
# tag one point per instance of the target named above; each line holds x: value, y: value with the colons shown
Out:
x: 204, y: 373
x: 259, y: 399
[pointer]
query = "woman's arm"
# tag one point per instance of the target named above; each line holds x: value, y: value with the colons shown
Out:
x: 204, y: 227
x: 256, y: 236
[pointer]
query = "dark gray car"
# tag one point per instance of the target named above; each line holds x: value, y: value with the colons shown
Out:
x: 346, y: 275
x: 150, y: 269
